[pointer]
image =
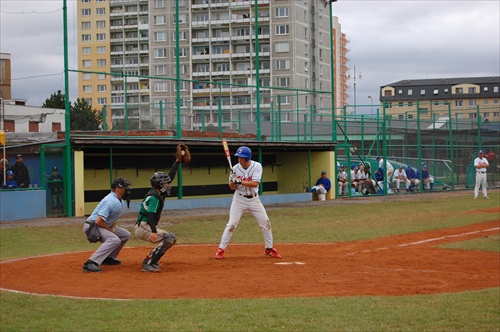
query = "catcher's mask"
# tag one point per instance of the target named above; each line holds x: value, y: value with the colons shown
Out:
x: 158, y: 180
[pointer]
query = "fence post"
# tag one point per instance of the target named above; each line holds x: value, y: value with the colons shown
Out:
x: 451, y: 149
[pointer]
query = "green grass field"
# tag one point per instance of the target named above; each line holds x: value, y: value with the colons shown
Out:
x: 466, y: 311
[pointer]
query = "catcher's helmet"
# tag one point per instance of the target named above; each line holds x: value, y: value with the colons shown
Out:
x: 158, y: 179
x: 244, y: 152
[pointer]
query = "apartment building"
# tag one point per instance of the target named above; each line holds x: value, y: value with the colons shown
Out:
x: 219, y: 63
x: 464, y: 97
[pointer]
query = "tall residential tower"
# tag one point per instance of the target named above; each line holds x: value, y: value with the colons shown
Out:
x: 219, y: 60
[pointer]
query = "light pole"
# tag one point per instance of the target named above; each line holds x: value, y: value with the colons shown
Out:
x: 371, y: 103
x: 354, y: 81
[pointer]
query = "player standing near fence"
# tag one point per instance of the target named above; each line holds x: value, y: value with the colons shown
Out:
x: 244, y: 179
x: 481, y: 164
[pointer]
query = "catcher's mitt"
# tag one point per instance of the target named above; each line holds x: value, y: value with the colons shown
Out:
x: 183, y: 155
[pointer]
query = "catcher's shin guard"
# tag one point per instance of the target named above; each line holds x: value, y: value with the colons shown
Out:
x: 168, y: 242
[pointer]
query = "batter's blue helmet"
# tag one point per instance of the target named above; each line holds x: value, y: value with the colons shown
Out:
x: 244, y: 152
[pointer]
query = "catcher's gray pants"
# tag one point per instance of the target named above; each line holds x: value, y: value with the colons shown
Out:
x: 112, y: 243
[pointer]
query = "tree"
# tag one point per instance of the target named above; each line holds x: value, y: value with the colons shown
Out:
x: 56, y: 100
x: 133, y: 125
x: 83, y: 117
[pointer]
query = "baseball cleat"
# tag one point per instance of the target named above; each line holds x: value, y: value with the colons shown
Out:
x: 111, y: 261
x: 150, y: 268
x: 272, y: 253
x: 91, y: 266
x: 219, y: 254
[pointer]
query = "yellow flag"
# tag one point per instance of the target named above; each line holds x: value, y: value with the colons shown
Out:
x: 2, y: 137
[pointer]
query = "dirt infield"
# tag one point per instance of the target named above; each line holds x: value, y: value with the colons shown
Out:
x: 396, y: 265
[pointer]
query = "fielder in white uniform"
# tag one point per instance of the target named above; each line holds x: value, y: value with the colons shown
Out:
x: 481, y: 164
x: 244, y: 179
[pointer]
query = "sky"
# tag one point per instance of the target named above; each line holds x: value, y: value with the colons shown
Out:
x: 389, y: 41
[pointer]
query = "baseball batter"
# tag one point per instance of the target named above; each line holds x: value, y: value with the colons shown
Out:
x: 244, y: 180
x: 481, y: 164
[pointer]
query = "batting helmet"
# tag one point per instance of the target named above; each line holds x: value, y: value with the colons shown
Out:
x: 244, y: 152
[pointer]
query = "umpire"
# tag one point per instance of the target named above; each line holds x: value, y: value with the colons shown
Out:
x: 106, y: 215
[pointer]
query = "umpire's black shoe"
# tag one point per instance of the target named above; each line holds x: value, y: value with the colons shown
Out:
x: 111, y: 261
x: 91, y: 266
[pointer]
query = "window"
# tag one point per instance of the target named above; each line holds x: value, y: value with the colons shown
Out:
x: 486, y: 114
x: 472, y: 90
x: 486, y: 102
x: 472, y: 102
x: 85, y: 1
x: 305, y: 32
x: 87, y: 76
x: 410, y: 92
x: 101, y: 87
x: 400, y: 92
x: 400, y: 104
x: 182, y: 18
x: 422, y: 92
x: 472, y: 115
x: 85, y: 12
x: 159, y: 4
x: 85, y: 25
x: 87, y: 88
x: 33, y: 127
x: 495, y: 89
x: 101, y: 76
x: 101, y: 49
x: 306, y: 66
x: 496, y: 114
x: 184, y: 69
x: 283, y: 100
x: 387, y: 93
x: 182, y: 52
x: 160, y: 86
x: 102, y: 101
x: 101, y: 11
x: 86, y: 50
x: 86, y: 38
x: 223, y: 67
x: 160, y: 36
x: 87, y: 63
x: 436, y: 91
x: 100, y: 24
x: 182, y: 35
x: 282, y: 29
x: 160, y: 19
x: 495, y: 101
x: 410, y: 104
x: 101, y: 36
x: 183, y: 86
x: 160, y: 70
x: 459, y: 103
x: 160, y: 53
x: 283, y: 81
x: 282, y: 47
x: 282, y: 64
x: 101, y: 62
x: 281, y: 12
x: 459, y: 90
x: 56, y: 126
x: 446, y: 90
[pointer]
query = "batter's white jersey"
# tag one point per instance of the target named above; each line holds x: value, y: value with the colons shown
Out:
x: 247, y: 199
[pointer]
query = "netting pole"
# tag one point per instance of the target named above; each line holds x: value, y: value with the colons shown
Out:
x: 161, y: 114
x: 479, y: 138
x: 257, y: 69
x: 419, y: 146
x: 451, y: 148
x: 67, y: 121
x: 332, y: 72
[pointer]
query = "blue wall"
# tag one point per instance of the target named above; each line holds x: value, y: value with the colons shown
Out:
x: 22, y: 204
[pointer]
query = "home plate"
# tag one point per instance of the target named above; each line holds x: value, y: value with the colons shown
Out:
x: 290, y: 263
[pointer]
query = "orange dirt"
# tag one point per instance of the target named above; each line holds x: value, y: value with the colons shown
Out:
x: 395, y: 265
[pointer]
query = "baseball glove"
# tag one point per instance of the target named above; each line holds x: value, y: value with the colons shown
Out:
x: 183, y: 155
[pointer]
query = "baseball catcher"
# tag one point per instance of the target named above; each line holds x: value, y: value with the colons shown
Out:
x: 149, y: 216
x: 183, y: 155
